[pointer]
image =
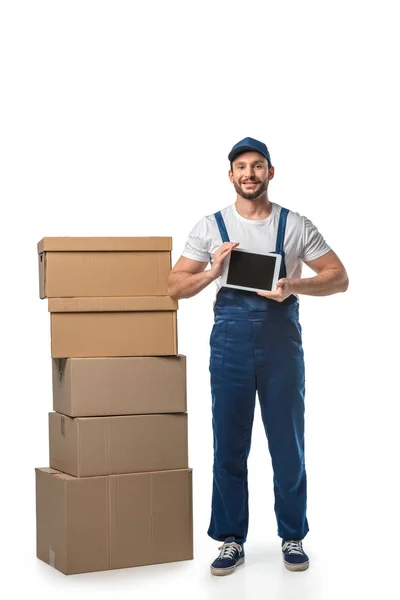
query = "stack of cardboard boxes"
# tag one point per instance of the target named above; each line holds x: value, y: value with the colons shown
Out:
x: 118, y: 492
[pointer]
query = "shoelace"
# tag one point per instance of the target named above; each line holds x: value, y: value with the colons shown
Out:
x: 294, y: 547
x: 228, y: 549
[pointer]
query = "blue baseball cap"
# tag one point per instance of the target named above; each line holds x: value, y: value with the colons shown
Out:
x: 249, y: 145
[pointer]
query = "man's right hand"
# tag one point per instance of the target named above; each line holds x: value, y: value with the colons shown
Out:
x: 219, y: 257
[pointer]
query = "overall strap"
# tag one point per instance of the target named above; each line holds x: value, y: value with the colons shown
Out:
x: 221, y: 226
x: 280, y: 238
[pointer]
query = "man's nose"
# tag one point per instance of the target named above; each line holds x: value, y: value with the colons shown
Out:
x: 249, y: 171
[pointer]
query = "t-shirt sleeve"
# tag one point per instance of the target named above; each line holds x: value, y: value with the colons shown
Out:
x: 198, y: 243
x: 312, y: 244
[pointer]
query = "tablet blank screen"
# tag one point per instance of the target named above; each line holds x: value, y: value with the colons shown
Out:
x: 251, y: 270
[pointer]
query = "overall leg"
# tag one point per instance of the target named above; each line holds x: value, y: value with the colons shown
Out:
x: 233, y: 390
x: 281, y: 388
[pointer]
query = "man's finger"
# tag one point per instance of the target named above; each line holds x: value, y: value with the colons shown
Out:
x: 267, y: 294
x: 226, y: 251
x: 271, y: 295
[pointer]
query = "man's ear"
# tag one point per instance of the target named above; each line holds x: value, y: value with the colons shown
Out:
x: 271, y: 172
x: 230, y: 175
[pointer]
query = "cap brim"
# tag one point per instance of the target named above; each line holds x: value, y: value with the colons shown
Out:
x: 234, y: 153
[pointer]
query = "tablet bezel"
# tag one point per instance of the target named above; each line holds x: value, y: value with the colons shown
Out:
x: 275, y: 278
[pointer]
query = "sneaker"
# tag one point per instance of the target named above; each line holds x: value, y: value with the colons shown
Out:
x: 294, y: 557
x: 230, y: 557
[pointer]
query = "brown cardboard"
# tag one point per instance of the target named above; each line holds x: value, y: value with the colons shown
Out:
x: 119, y: 385
x: 107, y: 304
x: 104, y: 244
x: 90, y: 446
x: 110, y: 522
x: 101, y: 327
x: 100, y: 266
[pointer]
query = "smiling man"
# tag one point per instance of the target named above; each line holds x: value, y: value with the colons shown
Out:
x: 256, y: 347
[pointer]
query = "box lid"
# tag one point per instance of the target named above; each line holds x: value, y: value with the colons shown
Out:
x: 61, y: 475
x: 58, y: 474
x: 106, y: 244
x: 112, y: 304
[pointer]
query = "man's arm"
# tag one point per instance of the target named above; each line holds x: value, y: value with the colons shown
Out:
x: 331, y: 278
x: 188, y: 276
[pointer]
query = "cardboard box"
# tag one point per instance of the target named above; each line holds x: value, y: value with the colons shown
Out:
x: 111, y: 522
x: 90, y: 446
x: 116, y: 326
x: 119, y: 386
x: 101, y: 266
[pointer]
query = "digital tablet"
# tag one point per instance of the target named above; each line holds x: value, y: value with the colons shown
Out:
x: 246, y: 270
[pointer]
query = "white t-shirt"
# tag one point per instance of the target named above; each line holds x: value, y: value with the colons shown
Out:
x: 303, y: 241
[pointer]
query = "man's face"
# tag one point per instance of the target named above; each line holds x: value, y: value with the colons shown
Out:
x: 250, y: 174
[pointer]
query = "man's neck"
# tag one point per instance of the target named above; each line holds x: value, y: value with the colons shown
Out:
x: 257, y: 209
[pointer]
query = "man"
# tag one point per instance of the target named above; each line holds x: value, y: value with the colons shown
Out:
x: 256, y: 346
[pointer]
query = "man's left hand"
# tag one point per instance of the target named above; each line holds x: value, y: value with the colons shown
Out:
x: 283, y: 290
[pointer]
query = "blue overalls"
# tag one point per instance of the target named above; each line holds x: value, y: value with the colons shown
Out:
x: 256, y: 345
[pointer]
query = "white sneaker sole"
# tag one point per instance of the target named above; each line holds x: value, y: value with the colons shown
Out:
x: 227, y: 571
x: 297, y: 567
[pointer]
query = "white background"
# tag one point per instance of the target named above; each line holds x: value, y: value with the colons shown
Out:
x: 116, y: 120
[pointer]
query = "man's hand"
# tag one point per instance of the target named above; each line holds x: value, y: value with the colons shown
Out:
x: 219, y: 257
x: 283, y: 290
